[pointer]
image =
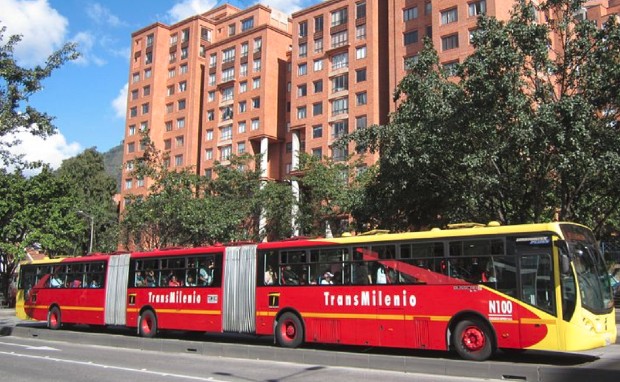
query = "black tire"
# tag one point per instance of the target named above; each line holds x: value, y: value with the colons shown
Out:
x: 472, y: 340
x: 289, y: 331
x: 147, y: 326
x: 54, y: 321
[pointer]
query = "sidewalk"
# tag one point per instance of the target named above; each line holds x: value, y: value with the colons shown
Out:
x: 7, y: 321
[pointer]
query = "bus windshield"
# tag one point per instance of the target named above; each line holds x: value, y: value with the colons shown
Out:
x: 594, y: 285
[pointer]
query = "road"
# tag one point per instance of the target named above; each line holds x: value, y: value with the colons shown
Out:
x: 95, y: 354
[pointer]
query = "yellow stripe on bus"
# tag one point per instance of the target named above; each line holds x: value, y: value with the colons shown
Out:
x: 394, y: 317
x: 179, y: 311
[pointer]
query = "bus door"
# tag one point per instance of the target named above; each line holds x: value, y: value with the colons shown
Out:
x: 116, y: 290
x: 536, y: 288
x: 239, y: 293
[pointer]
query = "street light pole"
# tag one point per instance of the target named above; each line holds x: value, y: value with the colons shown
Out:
x: 92, y: 228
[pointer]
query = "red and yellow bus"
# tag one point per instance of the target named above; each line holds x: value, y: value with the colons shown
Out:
x: 473, y: 289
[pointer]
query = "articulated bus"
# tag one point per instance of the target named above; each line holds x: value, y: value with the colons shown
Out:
x: 473, y: 289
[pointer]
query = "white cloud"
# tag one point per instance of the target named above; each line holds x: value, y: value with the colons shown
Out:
x: 52, y: 150
x: 102, y: 15
x: 85, y: 42
x: 188, y: 8
x: 286, y: 6
x: 42, y: 27
x: 120, y: 102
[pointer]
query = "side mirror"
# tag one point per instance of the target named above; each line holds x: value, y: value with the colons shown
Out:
x: 564, y: 259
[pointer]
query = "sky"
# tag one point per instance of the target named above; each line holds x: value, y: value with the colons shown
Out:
x: 88, y: 96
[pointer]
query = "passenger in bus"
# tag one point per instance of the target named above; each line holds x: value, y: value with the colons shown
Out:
x: 55, y: 281
x: 381, y: 275
x: 94, y: 283
x: 190, y: 281
x: 77, y: 283
x: 205, y: 274
x: 174, y: 282
x: 327, y: 278
x: 269, y: 276
x: 150, y: 278
x: 139, y: 279
x: 362, y: 277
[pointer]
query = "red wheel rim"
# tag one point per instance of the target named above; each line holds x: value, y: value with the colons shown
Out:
x: 146, y: 325
x: 473, y: 338
x: 288, y: 330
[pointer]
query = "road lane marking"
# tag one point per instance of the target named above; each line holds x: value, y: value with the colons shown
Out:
x: 30, y: 347
x: 102, y: 366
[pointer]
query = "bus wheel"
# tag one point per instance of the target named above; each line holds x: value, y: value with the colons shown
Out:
x: 289, y: 332
x: 53, y: 318
x: 472, y: 340
x: 147, y: 327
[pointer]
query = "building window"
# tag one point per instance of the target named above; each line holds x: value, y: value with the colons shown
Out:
x: 429, y: 31
x: 340, y: 106
x: 132, y: 130
x: 171, y: 73
x: 243, y: 106
x: 340, y: 61
x: 361, y: 122
x: 410, y: 13
x: 256, y: 103
x: 340, y: 83
x: 303, y: 50
x: 131, y: 147
x: 172, y: 57
x: 317, y: 108
x: 211, y: 96
x: 225, y: 152
x: 449, y: 16
x: 226, y: 133
x: 146, y: 91
x: 232, y: 30
x: 228, y: 55
x: 226, y: 113
x: 411, y: 37
x: 339, y: 129
x: 339, y: 17
x: 212, y: 79
x: 243, y: 86
x: 240, y: 148
x: 178, y: 141
x: 340, y: 39
x: 205, y: 34
x: 144, y: 126
x: 208, y: 154
x: 360, y: 75
x: 317, y: 152
x: 148, y: 58
x: 301, y: 112
x: 255, y: 124
x: 148, y: 73
x: 185, y: 35
x: 208, y: 173
x: 428, y: 8
x: 168, y: 125
x: 318, y: 65
x: 360, y: 32
x: 360, y: 52
x: 174, y: 39
x: 318, y: 86
x: 256, y: 83
x: 135, y: 77
x: 302, y: 90
x: 241, y: 128
x: 450, y: 42
x: 227, y: 93
x: 210, y: 115
x: 477, y: 8
x: 317, y: 131
x: 451, y: 67
x: 361, y: 98
x: 258, y: 44
x: 339, y: 154
x: 133, y: 112
x: 209, y: 135
x: 180, y: 123
x: 360, y: 10
x: 128, y: 184
x: 182, y: 86
x: 212, y: 60
x: 178, y: 160
x: 303, y: 29
x: 244, y: 49
x: 318, y: 23
x: 243, y: 70
x: 247, y: 24
x: 257, y: 65
x: 181, y: 104
x: 134, y: 94
x: 318, y: 45
x: 184, y: 53
x: 410, y: 61
x: 170, y: 90
x: 228, y: 74
x: 302, y: 69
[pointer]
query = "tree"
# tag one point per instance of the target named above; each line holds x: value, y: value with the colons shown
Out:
x: 17, y: 84
x: 94, y: 190
x: 523, y: 132
x: 330, y: 191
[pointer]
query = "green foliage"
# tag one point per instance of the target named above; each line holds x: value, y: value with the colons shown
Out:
x: 523, y: 133
x: 94, y: 191
x: 17, y: 84
x: 330, y: 190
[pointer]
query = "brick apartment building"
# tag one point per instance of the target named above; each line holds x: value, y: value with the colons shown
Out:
x: 231, y: 81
